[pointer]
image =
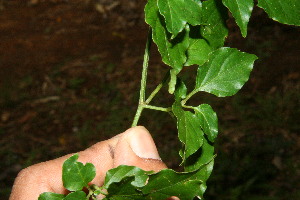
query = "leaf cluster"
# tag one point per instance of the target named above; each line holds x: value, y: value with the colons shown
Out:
x: 186, y: 32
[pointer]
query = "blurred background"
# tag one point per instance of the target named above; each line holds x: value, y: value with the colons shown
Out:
x: 69, y: 77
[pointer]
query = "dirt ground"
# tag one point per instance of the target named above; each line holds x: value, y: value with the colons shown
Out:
x: 69, y: 77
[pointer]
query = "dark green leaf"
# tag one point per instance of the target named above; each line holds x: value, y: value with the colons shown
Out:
x: 173, y: 51
x: 208, y: 120
x: 169, y: 183
x: 79, y: 195
x: 189, y: 130
x: 179, y: 12
x: 76, y: 175
x: 283, y: 11
x: 199, y: 48
x: 226, y: 72
x: 51, y: 196
x: 214, y: 16
x: 181, y: 90
x: 115, y: 175
x: 202, y: 157
x: 241, y: 11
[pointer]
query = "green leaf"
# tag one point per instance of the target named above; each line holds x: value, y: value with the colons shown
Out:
x: 169, y: 183
x: 208, y: 120
x: 181, y: 90
x: 214, y: 16
x: 189, y: 130
x: 199, y: 48
x: 226, y: 72
x: 202, y: 157
x: 78, y: 195
x: 115, y: 175
x: 283, y: 11
x: 76, y: 175
x: 241, y: 11
x: 51, y: 196
x: 179, y: 12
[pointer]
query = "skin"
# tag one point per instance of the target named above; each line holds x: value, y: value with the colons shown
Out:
x: 133, y: 147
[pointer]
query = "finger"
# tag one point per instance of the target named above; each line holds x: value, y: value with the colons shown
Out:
x: 46, y: 176
x: 137, y: 148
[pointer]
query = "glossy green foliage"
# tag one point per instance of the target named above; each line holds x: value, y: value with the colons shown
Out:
x: 226, y: 72
x: 283, y: 11
x: 161, y: 185
x: 76, y: 175
x: 187, y: 33
x: 241, y: 11
x: 189, y: 130
x: 208, y: 121
x: 178, y: 13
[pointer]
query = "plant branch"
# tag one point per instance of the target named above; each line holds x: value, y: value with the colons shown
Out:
x: 158, y: 108
x: 183, y: 102
x: 143, y: 80
x: 157, y: 89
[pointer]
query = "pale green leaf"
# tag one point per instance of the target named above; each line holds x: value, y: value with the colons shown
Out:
x: 241, y: 11
x: 51, y: 196
x: 76, y: 175
x: 226, y: 72
x: 189, y: 130
x: 208, y: 120
x: 78, y: 195
x: 179, y: 12
x: 283, y: 11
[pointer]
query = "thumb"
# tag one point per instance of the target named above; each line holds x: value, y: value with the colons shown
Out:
x: 137, y: 148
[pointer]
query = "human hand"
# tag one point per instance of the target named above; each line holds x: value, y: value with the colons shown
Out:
x: 134, y: 147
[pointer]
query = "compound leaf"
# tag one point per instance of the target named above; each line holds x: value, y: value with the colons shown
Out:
x: 208, y: 120
x: 76, y: 175
x: 241, y: 11
x: 179, y: 12
x: 283, y: 11
x: 226, y: 72
x: 78, y: 195
x: 189, y: 130
x: 172, y: 50
x: 51, y: 196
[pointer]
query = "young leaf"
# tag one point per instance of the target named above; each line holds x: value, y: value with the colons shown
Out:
x: 76, y: 175
x: 179, y: 12
x: 209, y: 121
x: 241, y: 11
x: 189, y: 130
x: 78, y: 195
x: 283, y: 11
x: 226, y: 72
x: 115, y: 175
x: 51, y: 196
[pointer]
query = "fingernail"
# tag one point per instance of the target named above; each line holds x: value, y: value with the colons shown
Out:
x: 142, y: 144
